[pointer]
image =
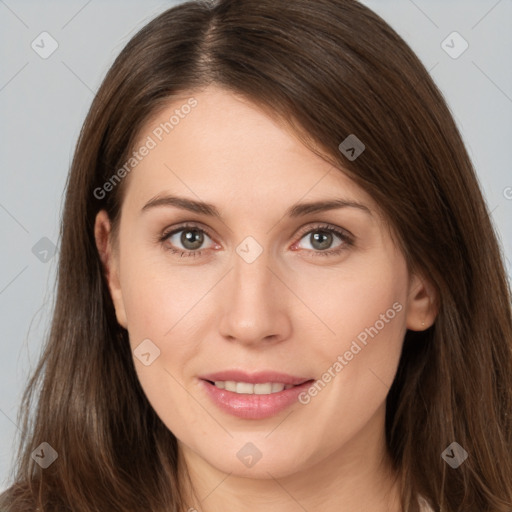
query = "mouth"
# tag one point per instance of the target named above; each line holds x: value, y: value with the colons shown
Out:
x: 253, y: 396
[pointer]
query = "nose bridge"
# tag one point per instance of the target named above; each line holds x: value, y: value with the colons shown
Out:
x: 252, y: 284
x: 251, y: 271
x: 252, y: 279
x: 254, y: 308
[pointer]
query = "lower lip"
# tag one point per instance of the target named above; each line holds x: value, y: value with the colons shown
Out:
x: 254, y: 407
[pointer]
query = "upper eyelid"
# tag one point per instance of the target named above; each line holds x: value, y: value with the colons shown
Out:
x: 326, y: 227
x: 187, y: 225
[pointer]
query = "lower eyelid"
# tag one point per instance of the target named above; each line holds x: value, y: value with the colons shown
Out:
x: 184, y: 252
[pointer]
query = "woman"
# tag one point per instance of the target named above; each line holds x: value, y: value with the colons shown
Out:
x: 279, y: 287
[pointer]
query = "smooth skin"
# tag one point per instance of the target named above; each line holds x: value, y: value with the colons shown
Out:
x: 294, y: 309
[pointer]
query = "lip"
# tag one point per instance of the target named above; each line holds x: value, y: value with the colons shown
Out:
x: 254, y: 407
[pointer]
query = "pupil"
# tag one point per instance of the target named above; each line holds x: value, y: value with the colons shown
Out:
x: 321, y: 240
x: 192, y: 239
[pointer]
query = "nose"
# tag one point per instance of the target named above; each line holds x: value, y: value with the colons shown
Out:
x: 254, y: 304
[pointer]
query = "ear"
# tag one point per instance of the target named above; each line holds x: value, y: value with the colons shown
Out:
x: 421, y: 304
x: 110, y: 261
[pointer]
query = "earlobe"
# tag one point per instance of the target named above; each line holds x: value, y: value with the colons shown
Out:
x: 422, y: 300
x: 110, y: 263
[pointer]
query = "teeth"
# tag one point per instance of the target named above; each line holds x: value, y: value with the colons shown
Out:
x: 230, y: 385
x: 246, y: 388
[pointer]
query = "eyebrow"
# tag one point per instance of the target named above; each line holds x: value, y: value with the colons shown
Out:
x: 297, y: 210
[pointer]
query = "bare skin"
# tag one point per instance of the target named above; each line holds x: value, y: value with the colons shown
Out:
x: 294, y: 309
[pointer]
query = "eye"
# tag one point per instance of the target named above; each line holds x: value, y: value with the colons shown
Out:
x: 324, y: 240
x: 187, y: 240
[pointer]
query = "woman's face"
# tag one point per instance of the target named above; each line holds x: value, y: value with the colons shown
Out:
x: 285, y: 288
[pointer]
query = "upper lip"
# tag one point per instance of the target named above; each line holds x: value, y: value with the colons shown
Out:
x: 254, y: 378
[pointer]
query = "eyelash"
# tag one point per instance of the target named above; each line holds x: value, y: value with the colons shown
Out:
x: 346, y: 239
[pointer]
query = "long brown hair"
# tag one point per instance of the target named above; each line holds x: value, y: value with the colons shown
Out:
x: 330, y: 68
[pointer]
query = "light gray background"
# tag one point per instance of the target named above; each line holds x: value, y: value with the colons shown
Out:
x: 44, y: 102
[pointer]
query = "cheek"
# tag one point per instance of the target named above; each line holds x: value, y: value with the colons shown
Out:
x: 160, y: 306
x: 159, y: 295
x: 362, y: 308
x: 172, y: 307
x: 352, y: 299
x: 365, y: 307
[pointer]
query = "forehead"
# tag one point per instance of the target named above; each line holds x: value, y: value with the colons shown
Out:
x: 222, y: 148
